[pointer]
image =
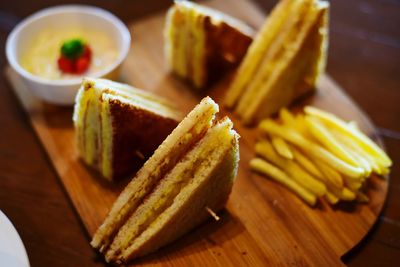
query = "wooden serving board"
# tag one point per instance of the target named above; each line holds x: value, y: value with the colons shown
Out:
x: 263, y: 224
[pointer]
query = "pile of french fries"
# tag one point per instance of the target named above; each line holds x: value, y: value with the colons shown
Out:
x: 316, y: 154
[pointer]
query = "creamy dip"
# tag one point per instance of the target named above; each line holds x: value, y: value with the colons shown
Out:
x: 41, y: 57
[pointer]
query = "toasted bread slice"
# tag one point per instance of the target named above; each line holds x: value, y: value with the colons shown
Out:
x: 118, y: 126
x: 202, y: 43
x: 183, y: 137
x: 200, y: 172
x: 193, y: 168
x: 282, y: 63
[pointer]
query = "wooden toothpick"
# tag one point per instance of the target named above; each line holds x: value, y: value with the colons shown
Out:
x: 212, y: 213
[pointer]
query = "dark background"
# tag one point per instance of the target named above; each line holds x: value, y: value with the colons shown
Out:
x: 364, y: 57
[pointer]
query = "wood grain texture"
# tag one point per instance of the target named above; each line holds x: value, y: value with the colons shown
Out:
x: 263, y: 222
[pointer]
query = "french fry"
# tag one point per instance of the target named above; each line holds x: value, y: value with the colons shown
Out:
x: 300, y: 126
x: 353, y: 132
x: 362, y: 162
x: 331, y: 176
x: 293, y: 121
x: 331, y: 198
x: 281, y: 147
x: 344, y: 194
x: 316, y: 151
x: 347, y: 194
x: 307, y: 164
x: 348, y: 142
x: 273, y: 172
x: 286, y: 117
x: 354, y: 186
x: 266, y: 150
x: 318, y: 130
x: 317, y: 154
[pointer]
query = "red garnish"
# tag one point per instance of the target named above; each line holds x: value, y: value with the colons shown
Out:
x: 81, y: 65
x: 75, y: 57
x: 87, y: 52
x: 65, y: 65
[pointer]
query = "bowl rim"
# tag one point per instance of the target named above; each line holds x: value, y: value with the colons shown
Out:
x: 83, y: 9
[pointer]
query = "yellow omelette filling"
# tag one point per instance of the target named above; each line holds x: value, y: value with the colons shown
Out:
x: 196, y: 161
x: 186, y: 55
x: 87, y: 124
x: 79, y: 117
x: 198, y: 46
x: 106, y: 139
x: 177, y: 32
x: 169, y: 45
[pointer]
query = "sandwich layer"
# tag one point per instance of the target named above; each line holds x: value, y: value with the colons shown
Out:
x: 256, y: 51
x: 202, y: 43
x: 283, y: 63
x: 114, y: 123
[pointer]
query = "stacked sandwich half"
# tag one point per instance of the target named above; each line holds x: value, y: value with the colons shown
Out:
x: 202, y: 43
x: 191, y: 171
x: 283, y: 62
x: 117, y: 126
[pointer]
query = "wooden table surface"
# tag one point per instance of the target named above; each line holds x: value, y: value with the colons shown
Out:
x: 363, y: 56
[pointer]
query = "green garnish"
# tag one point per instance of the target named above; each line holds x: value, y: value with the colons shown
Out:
x: 72, y: 48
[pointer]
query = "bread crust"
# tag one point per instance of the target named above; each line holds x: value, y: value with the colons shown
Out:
x: 225, y: 47
x: 136, y: 135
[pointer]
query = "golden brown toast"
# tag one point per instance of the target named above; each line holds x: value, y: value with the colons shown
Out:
x: 284, y: 62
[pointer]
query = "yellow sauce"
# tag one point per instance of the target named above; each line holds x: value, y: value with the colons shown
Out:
x: 41, y: 57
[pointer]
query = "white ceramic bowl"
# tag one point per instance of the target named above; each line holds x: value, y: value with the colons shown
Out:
x: 62, y: 92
